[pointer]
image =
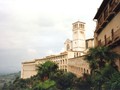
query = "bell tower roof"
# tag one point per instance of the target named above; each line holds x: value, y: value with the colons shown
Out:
x: 78, y: 25
x: 78, y: 22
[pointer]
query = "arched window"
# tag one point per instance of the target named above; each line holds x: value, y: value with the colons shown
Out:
x: 84, y: 70
x: 77, y: 54
x: 63, y: 61
x: 87, y: 71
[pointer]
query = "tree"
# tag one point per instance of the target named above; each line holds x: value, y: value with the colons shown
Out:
x: 102, y: 64
x: 46, y: 85
x: 65, y: 80
x: 45, y: 70
x: 99, y: 56
x: 84, y: 82
x: 113, y: 83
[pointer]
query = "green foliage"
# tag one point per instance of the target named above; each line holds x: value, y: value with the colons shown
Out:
x: 100, y: 56
x: 103, y: 67
x: 45, y: 70
x: 114, y: 82
x: 84, y: 83
x: 65, y: 80
x: 44, y: 85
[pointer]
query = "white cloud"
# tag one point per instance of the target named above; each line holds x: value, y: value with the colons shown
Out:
x: 32, y: 51
x: 50, y: 52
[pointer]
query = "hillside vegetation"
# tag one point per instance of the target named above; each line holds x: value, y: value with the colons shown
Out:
x: 8, y: 78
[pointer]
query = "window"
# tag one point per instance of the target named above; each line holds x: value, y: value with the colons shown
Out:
x: 87, y: 71
x: 84, y: 70
x: 75, y: 26
x: 80, y: 25
x: 65, y: 70
x: 77, y: 54
x: 83, y: 26
x: 63, y: 61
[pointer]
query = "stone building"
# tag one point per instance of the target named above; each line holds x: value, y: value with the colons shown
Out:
x: 107, y: 31
x: 68, y: 45
x: 78, y: 66
x: 29, y: 68
x: 74, y: 50
x: 78, y: 42
x: 89, y: 43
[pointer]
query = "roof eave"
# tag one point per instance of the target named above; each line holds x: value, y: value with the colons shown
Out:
x: 103, y: 4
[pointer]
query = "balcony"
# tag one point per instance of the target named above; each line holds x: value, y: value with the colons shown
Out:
x: 116, y: 39
x: 114, y: 6
x: 102, y: 43
x: 107, y: 14
x: 111, y: 41
x: 116, y: 35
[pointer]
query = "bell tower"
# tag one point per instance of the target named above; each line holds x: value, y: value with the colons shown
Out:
x: 78, y: 36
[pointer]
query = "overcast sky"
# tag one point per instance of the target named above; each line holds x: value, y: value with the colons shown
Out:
x: 32, y: 29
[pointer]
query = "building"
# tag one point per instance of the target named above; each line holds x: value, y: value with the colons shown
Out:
x: 107, y: 31
x: 68, y: 45
x: 74, y: 50
x: 78, y: 66
x: 29, y: 68
x: 89, y: 43
x: 78, y: 42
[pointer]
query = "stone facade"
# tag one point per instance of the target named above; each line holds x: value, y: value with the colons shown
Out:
x: 68, y: 45
x: 78, y: 36
x: 78, y: 42
x: 69, y: 60
x: 107, y: 31
x: 89, y: 43
x: 29, y: 68
x: 78, y: 66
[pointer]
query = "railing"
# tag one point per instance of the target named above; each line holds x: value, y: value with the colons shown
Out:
x: 117, y: 34
x: 98, y: 26
x: 102, y: 43
x: 113, y: 5
x: 101, y: 19
x: 109, y: 40
x: 106, y: 13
